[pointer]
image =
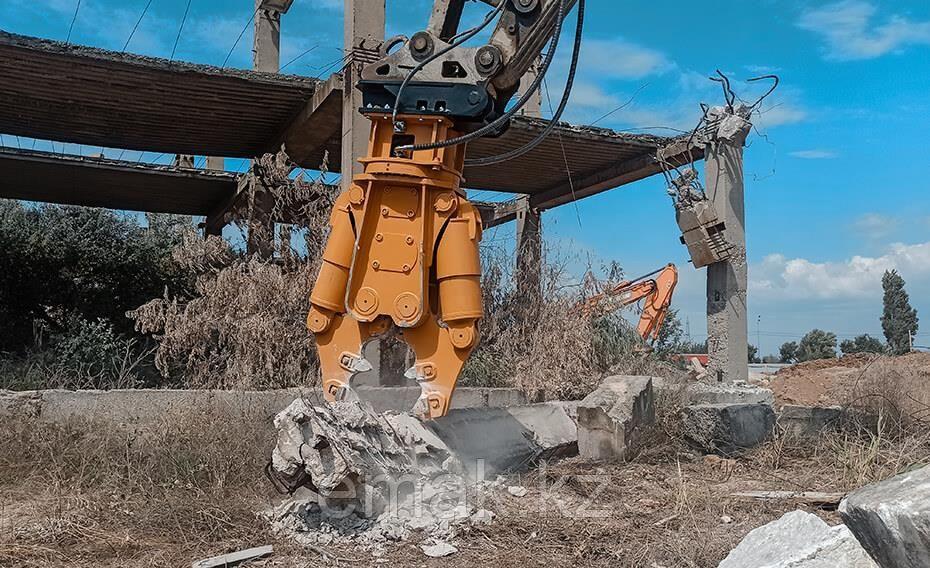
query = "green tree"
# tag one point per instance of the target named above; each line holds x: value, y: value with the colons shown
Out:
x: 670, y: 334
x: 899, y: 319
x: 754, y: 354
x: 817, y: 344
x: 862, y: 344
x: 788, y: 352
x: 60, y: 262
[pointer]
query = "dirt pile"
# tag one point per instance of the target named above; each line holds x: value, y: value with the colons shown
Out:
x: 839, y: 382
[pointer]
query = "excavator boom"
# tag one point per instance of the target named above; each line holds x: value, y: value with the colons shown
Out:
x: 655, y: 290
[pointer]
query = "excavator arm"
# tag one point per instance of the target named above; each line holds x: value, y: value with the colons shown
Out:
x: 402, y: 256
x: 655, y: 290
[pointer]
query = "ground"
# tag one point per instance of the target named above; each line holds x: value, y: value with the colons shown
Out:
x: 76, y: 496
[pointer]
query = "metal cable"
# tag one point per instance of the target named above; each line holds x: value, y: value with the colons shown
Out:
x: 180, y: 29
x: 238, y: 38
x: 135, y: 27
x: 286, y: 65
x: 73, y: 19
x: 462, y: 39
x: 566, y: 95
x: 505, y: 118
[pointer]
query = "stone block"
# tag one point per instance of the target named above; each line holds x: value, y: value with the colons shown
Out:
x: 892, y: 519
x: 809, y: 421
x: 798, y: 540
x: 609, y: 418
x: 727, y: 429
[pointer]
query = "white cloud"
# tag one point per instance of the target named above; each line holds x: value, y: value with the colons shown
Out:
x: 851, y: 33
x: 780, y: 278
x: 816, y: 154
x: 621, y: 59
x: 875, y: 225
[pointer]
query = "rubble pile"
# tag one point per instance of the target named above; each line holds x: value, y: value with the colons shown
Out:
x: 366, y: 478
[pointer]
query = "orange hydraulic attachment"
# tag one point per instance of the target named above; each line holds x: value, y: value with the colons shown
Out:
x: 655, y: 288
x: 402, y: 257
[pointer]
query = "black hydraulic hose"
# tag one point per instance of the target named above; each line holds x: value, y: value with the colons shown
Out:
x: 566, y: 95
x: 494, y: 126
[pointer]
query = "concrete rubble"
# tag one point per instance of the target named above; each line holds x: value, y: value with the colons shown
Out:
x: 809, y: 421
x: 892, y: 519
x: 370, y: 478
x: 374, y: 478
x: 727, y: 429
x: 798, y: 540
x: 610, y: 418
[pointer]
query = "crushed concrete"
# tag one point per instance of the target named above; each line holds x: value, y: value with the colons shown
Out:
x: 374, y: 478
x: 727, y: 429
x: 438, y: 549
x: 892, y: 519
x: 798, y: 540
x: 698, y: 392
x: 610, y: 418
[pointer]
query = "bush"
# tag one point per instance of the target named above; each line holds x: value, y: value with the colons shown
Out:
x: 817, y: 344
x: 862, y: 344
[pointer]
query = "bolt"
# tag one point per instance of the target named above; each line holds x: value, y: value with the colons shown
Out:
x: 485, y: 58
x: 409, y: 240
x: 474, y: 97
x: 406, y: 268
x: 419, y: 42
x: 384, y: 211
x: 410, y: 214
x: 379, y: 237
x: 376, y: 265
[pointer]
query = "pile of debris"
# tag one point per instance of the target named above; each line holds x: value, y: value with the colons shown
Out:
x: 366, y: 478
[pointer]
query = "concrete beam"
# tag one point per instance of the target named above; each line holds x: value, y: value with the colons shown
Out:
x: 318, y: 127
x: 625, y: 172
x: 727, y: 282
x: 495, y: 214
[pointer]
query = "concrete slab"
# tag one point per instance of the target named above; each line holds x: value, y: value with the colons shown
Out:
x: 810, y: 421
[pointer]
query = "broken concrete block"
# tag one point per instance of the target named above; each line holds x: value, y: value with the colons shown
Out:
x: 496, y: 440
x: 809, y: 421
x: 892, y: 519
x: 696, y: 392
x: 727, y: 429
x: 610, y: 417
x: 798, y: 540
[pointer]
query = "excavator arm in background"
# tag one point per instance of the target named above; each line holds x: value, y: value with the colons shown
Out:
x: 654, y: 289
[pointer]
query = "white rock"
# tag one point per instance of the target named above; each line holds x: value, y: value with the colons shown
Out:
x: 482, y: 517
x: 799, y: 540
x: 517, y: 491
x: 438, y: 549
x: 892, y: 519
x: 726, y: 519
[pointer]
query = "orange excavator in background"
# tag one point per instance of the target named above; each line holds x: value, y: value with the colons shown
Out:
x: 654, y: 289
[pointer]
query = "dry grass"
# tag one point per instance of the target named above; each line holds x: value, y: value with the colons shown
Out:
x: 82, y: 494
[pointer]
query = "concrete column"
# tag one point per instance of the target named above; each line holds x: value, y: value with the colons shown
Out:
x: 216, y: 163
x: 727, y: 282
x: 529, y: 250
x: 266, y: 57
x: 533, y: 107
x: 363, y: 36
x: 183, y: 161
x: 266, y: 49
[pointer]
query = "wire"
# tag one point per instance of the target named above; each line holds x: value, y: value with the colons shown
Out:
x: 505, y: 118
x: 568, y: 168
x: 238, y: 38
x: 135, y: 27
x: 462, y: 39
x: 623, y: 106
x: 180, y: 29
x: 566, y: 95
x: 298, y: 57
x: 73, y: 19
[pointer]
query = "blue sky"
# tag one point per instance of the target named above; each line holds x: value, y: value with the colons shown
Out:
x: 836, y: 172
